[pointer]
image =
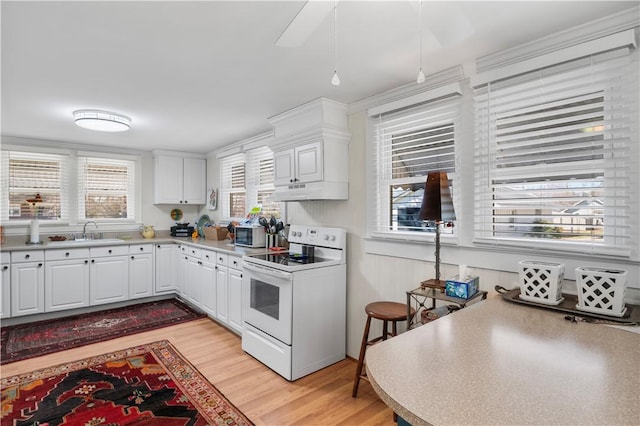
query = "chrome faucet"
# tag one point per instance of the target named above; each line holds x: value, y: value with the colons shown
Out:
x: 84, y: 229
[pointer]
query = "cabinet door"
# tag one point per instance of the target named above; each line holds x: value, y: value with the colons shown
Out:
x: 208, y: 279
x: 5, y: 290
x: 192, y: 287
x: 222, y: 285
x: 309, y: 162
x: 195, y: 181
x: 283, y: 167
x: 27, y: 288
x: 166, y: 261
x: 140, y: 275
x: 66, y: 284
x: 109, y: 279
x: 235, y: 300
x: 169, y: 179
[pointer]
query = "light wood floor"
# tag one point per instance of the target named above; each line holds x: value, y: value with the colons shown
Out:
x: 321, y: 398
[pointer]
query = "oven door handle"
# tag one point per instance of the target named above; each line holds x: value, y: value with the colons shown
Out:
x: 267, y: 271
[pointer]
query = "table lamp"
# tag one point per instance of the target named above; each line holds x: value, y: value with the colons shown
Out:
x: 437, y: 206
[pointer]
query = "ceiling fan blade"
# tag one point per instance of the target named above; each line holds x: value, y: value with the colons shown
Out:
x: 305, y: 23
x: 446, y: 22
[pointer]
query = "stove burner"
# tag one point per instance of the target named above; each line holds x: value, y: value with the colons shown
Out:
x: 288, y: 258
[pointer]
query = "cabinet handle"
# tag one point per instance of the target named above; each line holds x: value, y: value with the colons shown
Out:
x: 240, y: 275
x: 110, y: 251
x: 86, y: 261
x: 186, y: 258
x: 220, y: 259
x: 27, y: 256
x: 141, y: 248
x: 180, y: 201
x: 133, y: 257
x: 39, y: 265
x: 235, y: 263
x: 185, y: 201
x: 93, y: 261
x: 290, y: 180
x: 4, y: 268
x: 67, y: 254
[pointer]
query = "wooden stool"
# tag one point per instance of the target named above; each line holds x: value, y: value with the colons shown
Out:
x: 387, y: 312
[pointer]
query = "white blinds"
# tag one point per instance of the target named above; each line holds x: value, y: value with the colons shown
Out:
x: 408, y: 145
x: 554, y: 157
x: 233, y: 186
x: 106, y: 189
x: 25, y: 174
x: 260, y: 181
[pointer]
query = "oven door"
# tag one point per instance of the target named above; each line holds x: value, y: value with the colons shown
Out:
x: 267, y: 300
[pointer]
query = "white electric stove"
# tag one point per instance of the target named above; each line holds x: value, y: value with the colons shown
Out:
x: 294, y: 304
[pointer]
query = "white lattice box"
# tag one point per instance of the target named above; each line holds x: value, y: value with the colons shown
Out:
x: 541, y: 282
x: 601, y: 291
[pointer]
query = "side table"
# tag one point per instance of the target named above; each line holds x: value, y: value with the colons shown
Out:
x: 421, y: 296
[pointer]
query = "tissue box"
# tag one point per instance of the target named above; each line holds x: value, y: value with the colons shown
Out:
x: 463, y: 288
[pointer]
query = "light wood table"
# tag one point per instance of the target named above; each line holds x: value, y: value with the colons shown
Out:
x: 499, y: 363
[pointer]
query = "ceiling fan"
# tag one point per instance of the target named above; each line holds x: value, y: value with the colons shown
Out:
x: 446, y: 21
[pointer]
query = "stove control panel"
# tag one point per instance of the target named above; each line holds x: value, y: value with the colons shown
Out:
x: 318, y: 236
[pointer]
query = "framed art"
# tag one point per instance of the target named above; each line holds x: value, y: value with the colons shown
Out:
x: 212, y: 199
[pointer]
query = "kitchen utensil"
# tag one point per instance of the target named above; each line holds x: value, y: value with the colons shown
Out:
x: 279, y: 227
x: 263, y: 222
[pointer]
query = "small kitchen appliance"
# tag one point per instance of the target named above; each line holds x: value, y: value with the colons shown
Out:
x: 294, y: 303
x: 181, y: 230
x: 250, y: 235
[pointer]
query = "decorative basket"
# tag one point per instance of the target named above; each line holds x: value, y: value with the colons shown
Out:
x: 541, y: 282
x: 214, y: 233
x: 601, y: 291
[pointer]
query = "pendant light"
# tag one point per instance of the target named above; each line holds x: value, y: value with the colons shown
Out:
x: 335, y: 80
x: 421, y: 77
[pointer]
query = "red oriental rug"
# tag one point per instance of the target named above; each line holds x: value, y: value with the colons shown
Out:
x: 144, y: 385
x: 43, y: 337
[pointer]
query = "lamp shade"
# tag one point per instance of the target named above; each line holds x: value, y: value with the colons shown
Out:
x: 437, y: 203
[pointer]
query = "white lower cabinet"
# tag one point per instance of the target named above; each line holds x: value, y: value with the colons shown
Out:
x: 235, y: 294
x: 109, y: 274
x: 66, y: 279
x: 208, y: 282
x: 27, y: 282
x: 166, y: 269
x: 5, y: 285
x: 191, y: 287
x: 140, y: 270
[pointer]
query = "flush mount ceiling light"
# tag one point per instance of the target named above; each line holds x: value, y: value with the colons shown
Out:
x: 102, y: 121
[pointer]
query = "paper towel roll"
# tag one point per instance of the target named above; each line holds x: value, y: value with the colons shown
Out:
x: 35, y: 231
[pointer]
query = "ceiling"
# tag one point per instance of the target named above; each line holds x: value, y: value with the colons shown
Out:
x: 196, y: 76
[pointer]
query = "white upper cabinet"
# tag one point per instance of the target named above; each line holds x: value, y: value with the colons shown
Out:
x: 311, y: 152
x: 179, y: 179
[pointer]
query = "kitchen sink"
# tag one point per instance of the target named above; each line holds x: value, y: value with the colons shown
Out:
x: 85, y: 241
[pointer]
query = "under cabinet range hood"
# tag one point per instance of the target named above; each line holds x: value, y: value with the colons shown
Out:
x: 311, y: 152
x: 311, y: 191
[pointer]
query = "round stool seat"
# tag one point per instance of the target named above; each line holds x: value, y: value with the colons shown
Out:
x: 387, y: 311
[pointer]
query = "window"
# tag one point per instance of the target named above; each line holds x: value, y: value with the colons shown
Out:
x: 554, y: 156
x: 408, y: 144
x: 233, y: 191
x: 247, y: 181
x: 260, y: 178
x: 25, y: 174
x: 106, y: 189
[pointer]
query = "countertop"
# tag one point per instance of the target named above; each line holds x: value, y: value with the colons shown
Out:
x: 18, y: 244
x: 496, y: 362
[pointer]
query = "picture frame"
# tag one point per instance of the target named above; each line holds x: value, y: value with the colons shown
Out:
x: 212, y: 199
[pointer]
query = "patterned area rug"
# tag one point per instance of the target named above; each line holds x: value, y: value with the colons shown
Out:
x: 39, y: 338
x: 148, y: 384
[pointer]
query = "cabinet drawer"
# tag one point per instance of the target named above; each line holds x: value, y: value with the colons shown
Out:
x: 27, y: 256
x: 140, y: 248
x: 192, y: 251
x: 209, y: 256
x: 64, y: 254
x: 109, y: 251
x: 222, y: 259
x: 235, y: 262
